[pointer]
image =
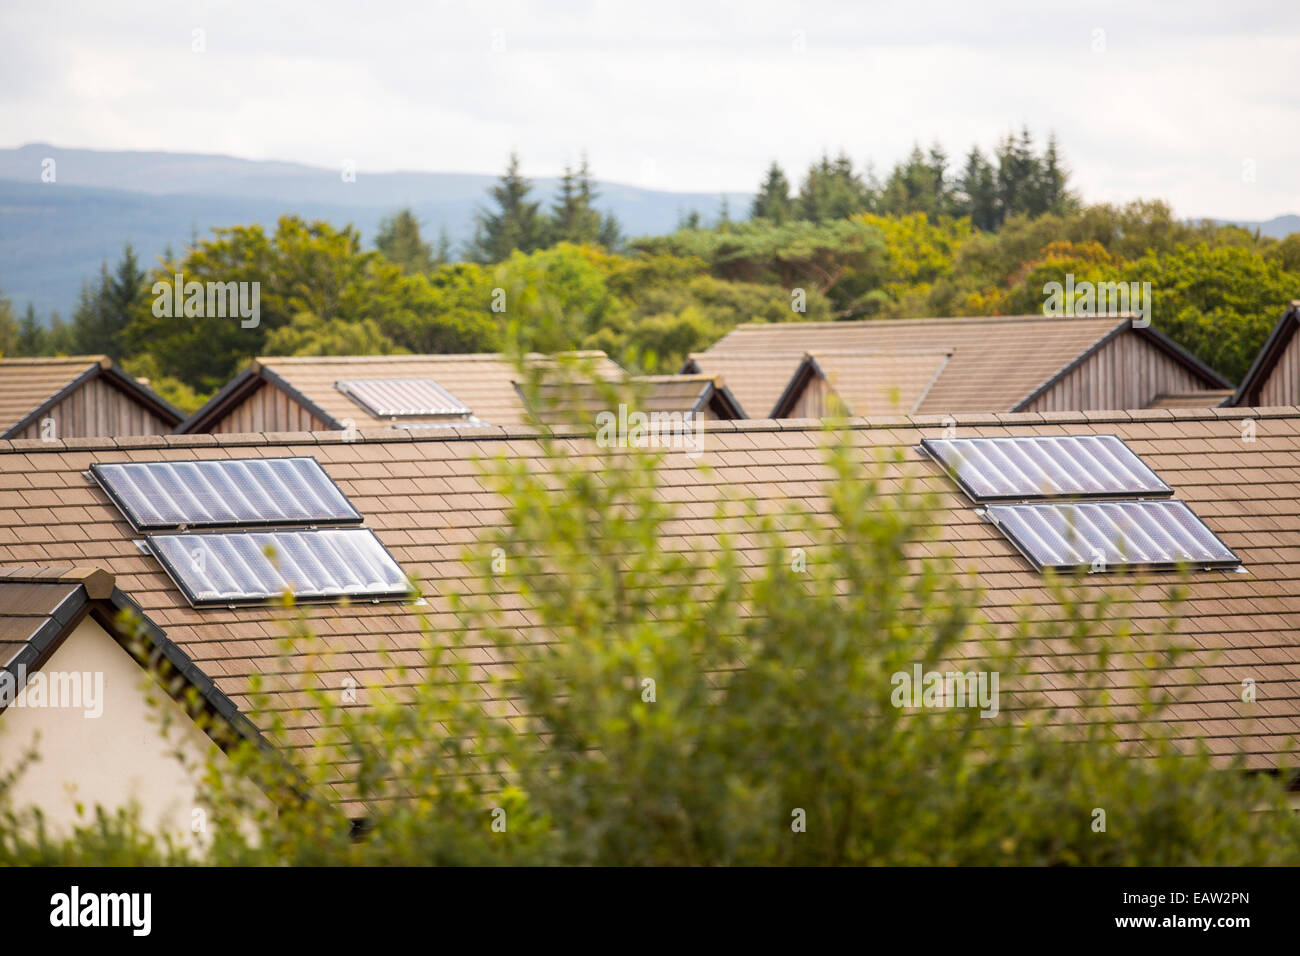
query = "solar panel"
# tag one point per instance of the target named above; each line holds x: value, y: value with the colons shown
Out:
x: 1035, y: 467
x: 162, y: 495
x: 1107, y: 534
x: 249, y: 567
x: 397, y: 397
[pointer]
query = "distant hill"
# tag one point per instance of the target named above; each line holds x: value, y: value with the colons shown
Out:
x: 54, y: 235
x: 1279, y: 227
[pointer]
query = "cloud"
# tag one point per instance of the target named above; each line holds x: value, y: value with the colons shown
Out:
x: 687, y: 96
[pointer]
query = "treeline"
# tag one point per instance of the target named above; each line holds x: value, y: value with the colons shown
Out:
x: 842, y: 246
x: 1017, y: 181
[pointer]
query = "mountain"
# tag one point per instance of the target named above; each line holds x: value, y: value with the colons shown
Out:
x: 54, y: 235
x: 1279, y: 227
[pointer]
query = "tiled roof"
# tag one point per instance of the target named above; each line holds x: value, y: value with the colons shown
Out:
x: 872, y: 383
x: 756, y: 379
x: 1209, y: 398
x: 995, y: 363
x: 28, y: 385
x: 483, y: 382
x: 40, y: 605
x: 427, y: 502
x: 652, y: 393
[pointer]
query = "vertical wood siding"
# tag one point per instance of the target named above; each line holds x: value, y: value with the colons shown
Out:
x: 811, y: 402
x: 1282, y: 387
x: 269, y: 409
x: 1127, y: 372
x: 99, y: 410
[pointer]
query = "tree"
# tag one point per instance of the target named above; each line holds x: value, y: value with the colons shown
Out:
x: 303, y: 269
x: 10, y: 333
x: 1218, y: 302
x: 832, y: 190
x: 799, y: 254
x: 32, y: 336
x: 773, y: 200
x: 978, y: 193
x: 400, y: 242
x: 918, y: 185
x: 574, y: 216
x: 517, y: 224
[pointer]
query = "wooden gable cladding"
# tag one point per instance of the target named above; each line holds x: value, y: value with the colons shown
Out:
x: 78, y: 397
x: 98, y: 409
x: 1282, y: 387
x: 1274, y: 378
x: 1125, y: 371
x: 992, y: 364
x: 269, y: 408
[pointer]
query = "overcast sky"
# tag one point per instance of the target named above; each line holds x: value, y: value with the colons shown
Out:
x: 1194, y: 101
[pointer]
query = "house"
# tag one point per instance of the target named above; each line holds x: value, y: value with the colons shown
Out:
x: 948, y: 366
x: 682, y: 396
x: 83, y: 396
x: 1274, y: 377
x: 309, y: 393
x: 413, y: 502
x: 75, y: 655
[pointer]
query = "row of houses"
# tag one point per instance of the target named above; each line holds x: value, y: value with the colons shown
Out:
x: 757, y: 371
x: 360, y: 457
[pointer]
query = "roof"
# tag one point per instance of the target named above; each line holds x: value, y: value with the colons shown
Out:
x: 483, y: 382
x: 1208, y: 398
x: 29, y: 387
x: 1274, y: 346
x: 41, y: 604
x: 870, y: 382
x: 680, y: 394
x: 997, y: 363
x: 426, y: 500
x: 757, y: 379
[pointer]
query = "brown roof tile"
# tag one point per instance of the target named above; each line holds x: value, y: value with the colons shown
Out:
x: 1247, y: 492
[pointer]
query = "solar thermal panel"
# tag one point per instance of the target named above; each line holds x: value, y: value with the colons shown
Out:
x: 398, y: 397
x: 242, y: 492
x: 250, y: 567
x: 1040, y: 467
x: 1102, y: 535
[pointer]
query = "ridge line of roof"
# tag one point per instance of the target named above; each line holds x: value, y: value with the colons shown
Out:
x: 526, y: 432
x: 98, y: 581
x: 54, y: 360
x: 851, y: 323
x: 265, y: 360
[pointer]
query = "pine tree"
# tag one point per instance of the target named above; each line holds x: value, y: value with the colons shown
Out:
x: 9, y: 331
x: 1053, y: 195
x: 773, y: 200
x: 574, y: 216
x: 400, y: 241
x: 832, y: 190
x: 92, y: 327
x: 517, y: 223
x: 978, y: 193
x: 32, y: 337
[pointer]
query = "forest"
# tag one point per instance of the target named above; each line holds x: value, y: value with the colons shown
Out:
x: 928, y: 238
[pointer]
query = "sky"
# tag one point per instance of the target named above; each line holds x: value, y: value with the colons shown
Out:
x: 1194, y: 102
